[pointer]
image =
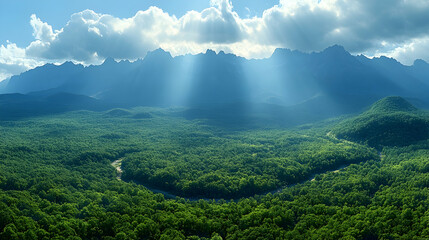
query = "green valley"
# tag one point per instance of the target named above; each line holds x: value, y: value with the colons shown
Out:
x: 214, y: 120
x: 57, y: 181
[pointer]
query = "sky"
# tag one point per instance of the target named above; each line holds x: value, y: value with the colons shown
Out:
x: 33, y: 33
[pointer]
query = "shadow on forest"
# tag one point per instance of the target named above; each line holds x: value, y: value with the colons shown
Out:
x: 17, y: 106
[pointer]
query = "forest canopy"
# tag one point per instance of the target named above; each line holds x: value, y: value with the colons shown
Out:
x: 57, y: 180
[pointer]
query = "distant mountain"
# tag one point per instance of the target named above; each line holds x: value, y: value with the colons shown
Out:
x: 15, y: 106
x: 286, y: 78
x: 289, y: 88
x: 420, y: 70
x: 413, y: 79
x: 274, y: 115
x: 391, y: 121
x: 3, y: 84
x: 45, y: 77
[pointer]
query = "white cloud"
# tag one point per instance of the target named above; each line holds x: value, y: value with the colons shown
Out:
x: 410, y: 51
x: 244, y: 48
x: 396, y: 28
x: 13, y: 60
x: 217, y: 24
x: 297, y: 25
x: 41, y: 30
x: 89, y: 36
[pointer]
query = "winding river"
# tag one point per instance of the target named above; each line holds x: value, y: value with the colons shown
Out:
x: 117, y: 165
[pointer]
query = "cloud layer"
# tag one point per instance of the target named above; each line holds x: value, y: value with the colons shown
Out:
x: 395, y: 28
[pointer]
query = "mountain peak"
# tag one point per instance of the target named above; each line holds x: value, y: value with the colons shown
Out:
x: 210, y: 52
x: 67, y: 65
x: 281, y: 52
x: 392, y: 104
x: 158, y: 54
x: 388, y: 60
x: 420, y: 63
x: 391, y: 121
x: 336, y: 49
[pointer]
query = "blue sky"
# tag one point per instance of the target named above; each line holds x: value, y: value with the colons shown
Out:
x: 33, y: 33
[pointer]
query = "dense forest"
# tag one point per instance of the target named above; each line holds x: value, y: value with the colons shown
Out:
x: 203, y: 164
x: 57, y: 180
x: 391, y: 121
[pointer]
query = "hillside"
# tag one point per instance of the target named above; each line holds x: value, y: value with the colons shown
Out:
x: 15, y: 106
x: 392, y: 104
x: 391, y: 121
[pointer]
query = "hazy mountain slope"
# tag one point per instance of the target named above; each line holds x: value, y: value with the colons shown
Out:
x: 45, y: 77
x: 411, y: 79
x: 420, y: 70
x: 247, y: 114
x: 15, y: 106
x: 286, y: 78
x: 3, y: 84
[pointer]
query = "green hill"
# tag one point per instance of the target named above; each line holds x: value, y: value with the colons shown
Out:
x: 391, y: 121
x: 392, y: 104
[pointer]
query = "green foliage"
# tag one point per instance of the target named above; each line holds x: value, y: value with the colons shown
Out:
x: 392, y: 104
x: 142, y: 115
x: 240, y: 165
x: 118, y: 112
x: 56, y: 182
x: 391, y: 121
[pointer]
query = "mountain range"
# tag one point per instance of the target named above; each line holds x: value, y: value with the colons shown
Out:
x: 329, y: 82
